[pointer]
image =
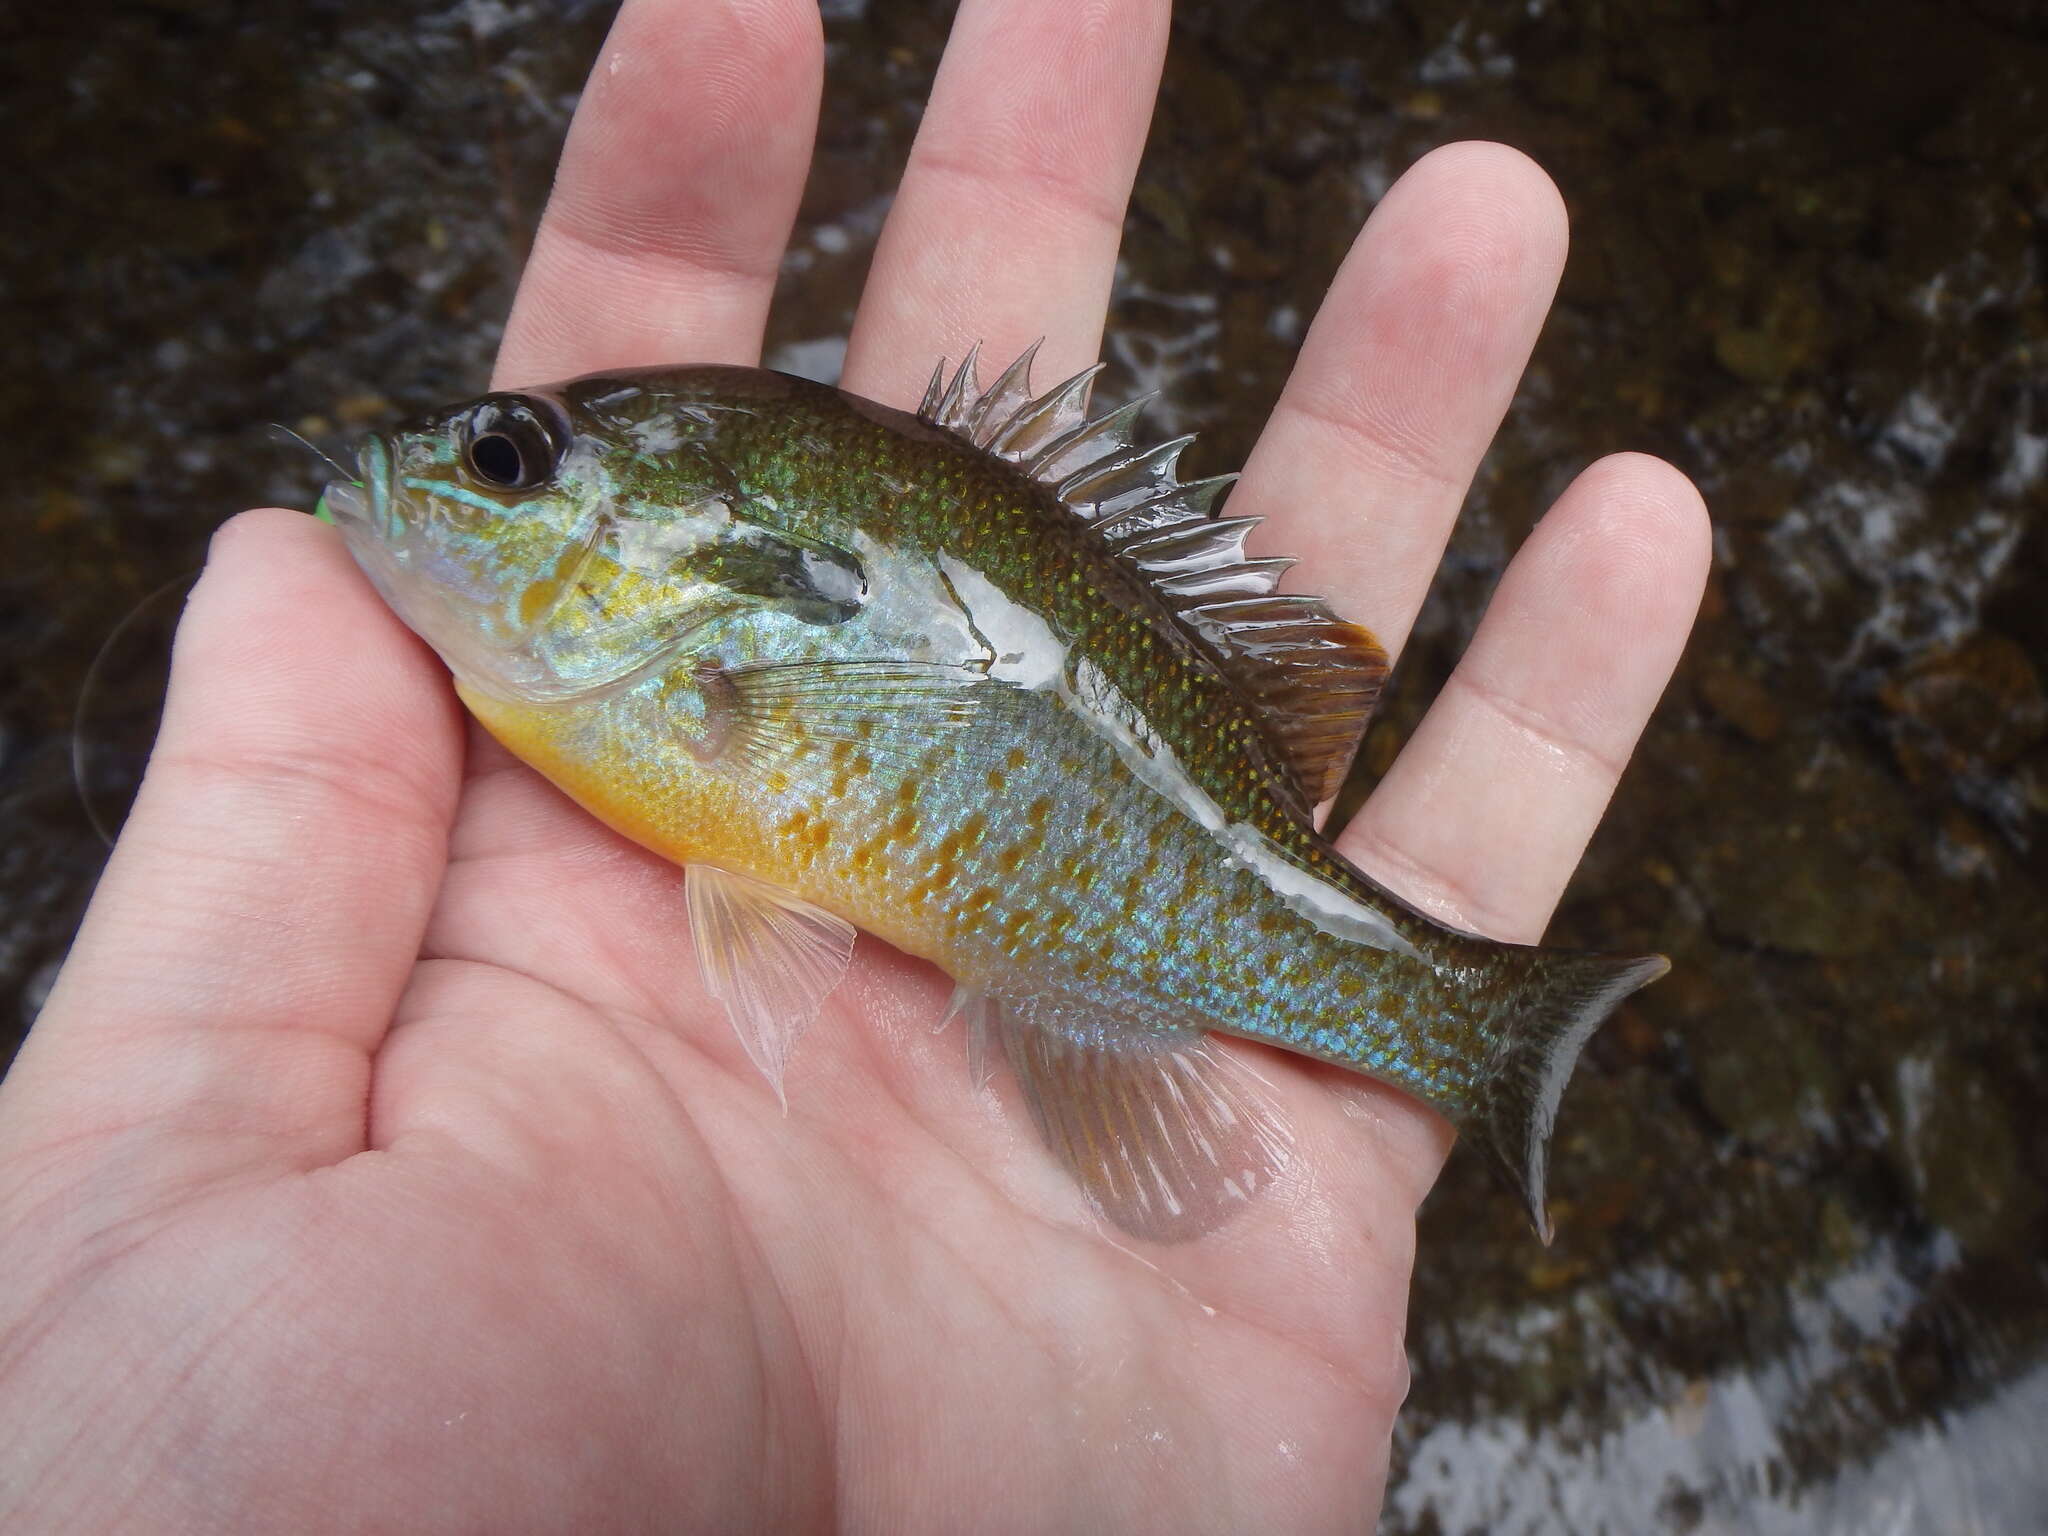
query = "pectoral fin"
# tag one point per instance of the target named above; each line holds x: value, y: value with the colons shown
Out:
x: 1167, y: 1134
x: 770, y: 958
x: 761, y: 712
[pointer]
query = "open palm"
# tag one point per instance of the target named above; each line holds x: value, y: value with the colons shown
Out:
x: 378, y: 1163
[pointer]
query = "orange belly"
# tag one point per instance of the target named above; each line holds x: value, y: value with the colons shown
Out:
x: 693, y: 815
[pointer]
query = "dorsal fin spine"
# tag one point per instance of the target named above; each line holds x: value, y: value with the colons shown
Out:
x: 1108, y: 433
x: 1052, y: 413
x: 1193, y: 546
x: 1191, y: 501
x: 1125, y: 479
x: 963, y: 387
x: 934, y: 392
x: 1249, y: 578
x: 1155, y: 462
x: 1311, y: 677
x: 1003, y: 397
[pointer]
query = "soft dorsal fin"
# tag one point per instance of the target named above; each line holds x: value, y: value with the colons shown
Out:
x: 1313, y: 677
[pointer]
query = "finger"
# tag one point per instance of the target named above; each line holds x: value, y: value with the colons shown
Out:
x: 259, y: 916
x: 1403, y: 379
x: 675, y: 194
x: 1007, y: 223
x: 1484, y: 814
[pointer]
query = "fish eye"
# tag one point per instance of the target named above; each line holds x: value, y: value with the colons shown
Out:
x: 513, y: 442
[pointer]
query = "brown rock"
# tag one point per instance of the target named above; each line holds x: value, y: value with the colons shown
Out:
x: 1978, y: 702
x: 1742, y: 701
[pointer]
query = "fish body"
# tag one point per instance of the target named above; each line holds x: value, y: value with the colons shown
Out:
x: 995, y: 685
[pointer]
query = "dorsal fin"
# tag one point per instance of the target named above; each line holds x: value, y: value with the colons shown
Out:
x: 1312, y: 677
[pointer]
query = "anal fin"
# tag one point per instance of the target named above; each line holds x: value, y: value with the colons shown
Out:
x: 1167, y: 1134
x: 769, y: 957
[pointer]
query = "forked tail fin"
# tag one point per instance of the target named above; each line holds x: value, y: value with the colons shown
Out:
x: 1564, y: 1000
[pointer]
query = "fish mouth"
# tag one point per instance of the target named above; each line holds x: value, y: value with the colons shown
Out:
x: 364, y: 503
x: 343, y: 504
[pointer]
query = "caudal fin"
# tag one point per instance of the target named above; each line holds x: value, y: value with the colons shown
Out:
x: 1565, y: 998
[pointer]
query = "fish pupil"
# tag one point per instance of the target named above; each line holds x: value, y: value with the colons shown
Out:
x: 497, y: 459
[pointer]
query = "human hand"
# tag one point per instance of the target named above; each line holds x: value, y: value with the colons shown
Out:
x: 378, y: 1163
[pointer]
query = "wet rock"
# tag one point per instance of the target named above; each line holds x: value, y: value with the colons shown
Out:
x: 1840, y: 1233
x: 2021, y: 16
x: 1797, y: 857
x: 1245, y: 336
x: 1247, y: 258
x: 1741, y: 700
x: 1955, y: 1141
x: 1332, y: 208
x: 1976, y: 702
x: 1166, y: 207
x: 362, y: 410
x: 1963, y: 849
x: 2032, y: 781
x: 1763, y: 1060
x: 1207, y: 102
x: 1785, y: 340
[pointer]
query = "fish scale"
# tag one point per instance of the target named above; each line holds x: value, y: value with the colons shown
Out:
x: 991, y: 682
x: 891, y: 844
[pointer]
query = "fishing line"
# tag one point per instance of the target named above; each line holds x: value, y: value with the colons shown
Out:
x: 319, y: 453
x: 91, y: 681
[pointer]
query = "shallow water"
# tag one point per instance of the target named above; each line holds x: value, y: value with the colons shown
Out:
x: 1801, y: 1281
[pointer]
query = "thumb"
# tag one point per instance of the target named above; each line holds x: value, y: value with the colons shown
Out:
x: 241, y: 958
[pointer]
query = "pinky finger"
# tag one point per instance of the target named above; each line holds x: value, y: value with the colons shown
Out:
x: 1485, y: 813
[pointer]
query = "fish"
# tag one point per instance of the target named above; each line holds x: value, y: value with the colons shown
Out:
x: 990, y: 681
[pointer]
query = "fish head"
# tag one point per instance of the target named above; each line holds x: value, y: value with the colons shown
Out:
x: 457, y: 516
x: 553, y: 542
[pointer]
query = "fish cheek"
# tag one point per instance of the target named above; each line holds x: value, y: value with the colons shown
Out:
x: 545, y: 593
x: 537, y: 601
